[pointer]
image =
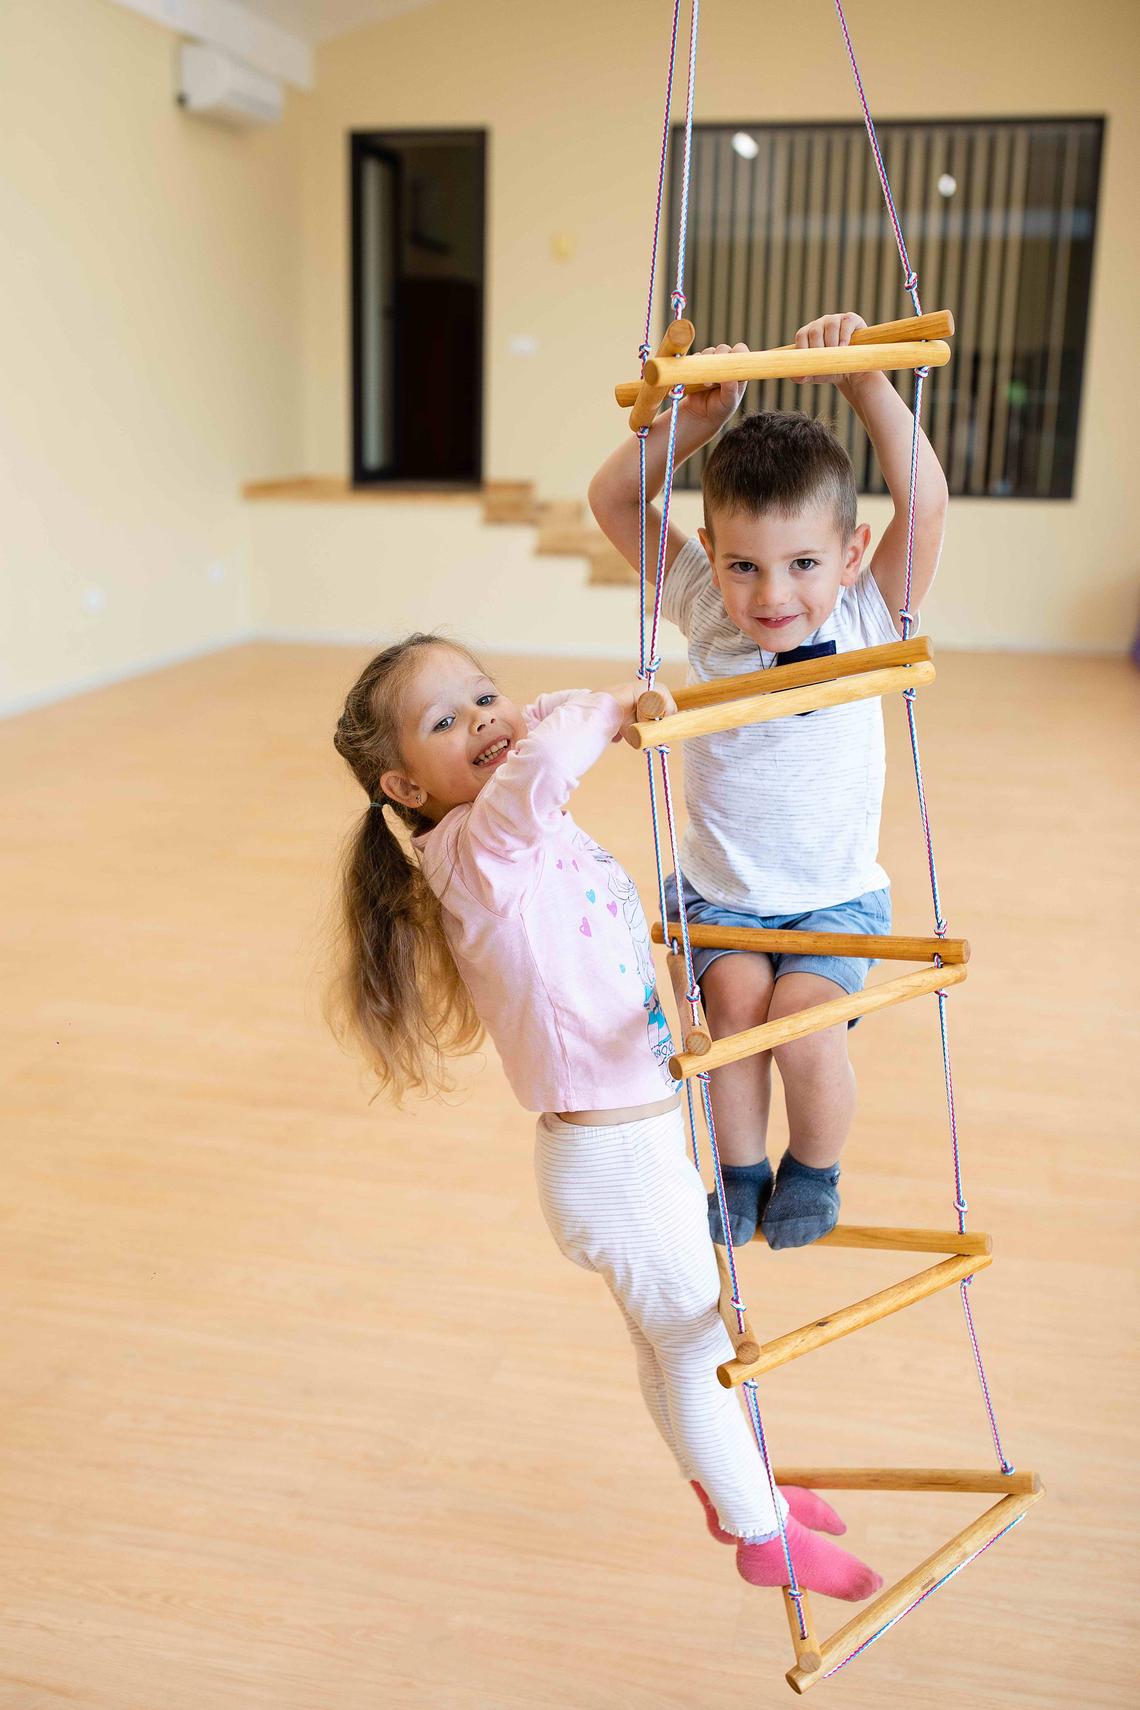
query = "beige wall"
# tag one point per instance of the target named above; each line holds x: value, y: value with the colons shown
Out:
x: 570, y: 97
x: 149, y: 295
x: 173, y: 320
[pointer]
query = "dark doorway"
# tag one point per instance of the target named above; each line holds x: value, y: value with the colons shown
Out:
x: 417, y: 306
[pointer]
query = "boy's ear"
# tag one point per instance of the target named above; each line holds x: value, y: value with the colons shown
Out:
x: 709, y: 545
x: 856, y: 552
x: 400, y: 789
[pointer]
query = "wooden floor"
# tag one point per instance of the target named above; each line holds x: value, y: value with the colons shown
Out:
x: 301, y: 1408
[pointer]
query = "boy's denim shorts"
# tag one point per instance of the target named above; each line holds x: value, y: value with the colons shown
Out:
x: 869, y: 913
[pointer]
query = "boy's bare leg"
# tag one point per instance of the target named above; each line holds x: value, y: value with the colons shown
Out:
x: 819, y: 1090
x: 819, y: 1082
x: 736, y: 991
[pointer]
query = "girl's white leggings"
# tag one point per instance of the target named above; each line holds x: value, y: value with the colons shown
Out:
x: 627, y: 1202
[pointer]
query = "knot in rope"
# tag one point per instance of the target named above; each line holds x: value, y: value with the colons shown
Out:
x: 910, y: 283
x: 644, y: 351
x: 922, y: 373
x: 678, y: 390
x: 663, y: 747
x: 694, y: 996
x: 961, y: 1206
x: 906, y: 617
x: 653, y: 666
x: 677, y: 303
x: 737, y: 1305
x: 643, y: 433
x: 908, y: 694
x: 1007, y: 1467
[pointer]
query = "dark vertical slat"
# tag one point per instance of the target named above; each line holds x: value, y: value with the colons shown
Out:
x: 1013, y: 229
x: 990, y: 238
x: 1058, y: 304
x: 732, y: 250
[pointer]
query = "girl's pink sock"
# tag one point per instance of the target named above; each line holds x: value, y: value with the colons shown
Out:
x: 819, y: 1565
x: 808, y: 1508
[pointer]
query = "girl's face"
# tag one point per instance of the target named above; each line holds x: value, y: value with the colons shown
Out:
x: 456, y: 730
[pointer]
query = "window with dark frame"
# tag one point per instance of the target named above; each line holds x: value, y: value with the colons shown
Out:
x: 787, y: 222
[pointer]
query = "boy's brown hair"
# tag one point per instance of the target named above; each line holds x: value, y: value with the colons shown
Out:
x: 780, y: 460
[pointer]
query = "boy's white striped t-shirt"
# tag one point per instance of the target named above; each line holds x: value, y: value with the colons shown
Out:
x: 783, y: 816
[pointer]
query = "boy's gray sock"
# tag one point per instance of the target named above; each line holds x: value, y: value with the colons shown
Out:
x: 746, y: 1189
x: 804, y: 1204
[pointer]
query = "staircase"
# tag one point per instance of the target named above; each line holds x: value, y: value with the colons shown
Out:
x: 563, y: 529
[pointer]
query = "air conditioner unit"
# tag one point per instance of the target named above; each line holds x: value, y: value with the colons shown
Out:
x: 217, y: 87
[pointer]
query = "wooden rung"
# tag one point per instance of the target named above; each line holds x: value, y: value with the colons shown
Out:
x: 807, y: 1647
x: 910, y: 1478
x: 734, y: 1046
x: 890, y: 1604
x: 745, y: 1341
x: 850, y: 1318
x: 887, y: 1240
x: 938, y: 324
x: 884, y: 949
x: 777, y: 678
x: 696, y: 1036
x: 679, y: 335
x: 759, y: 709
x: 663, y: 372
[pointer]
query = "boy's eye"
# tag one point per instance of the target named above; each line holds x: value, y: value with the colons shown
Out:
x: 485, y: 700
x: 445, y: 723
x: 804, y: 563
x: 744, y: 566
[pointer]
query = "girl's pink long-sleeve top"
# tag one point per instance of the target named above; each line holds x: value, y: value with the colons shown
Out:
x: 546, y: 928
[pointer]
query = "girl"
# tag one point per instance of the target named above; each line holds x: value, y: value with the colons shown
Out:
x: 507, y: 915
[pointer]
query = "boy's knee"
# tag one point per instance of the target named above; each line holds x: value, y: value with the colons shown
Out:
x: 737, y: 991
x: 814, y: 1054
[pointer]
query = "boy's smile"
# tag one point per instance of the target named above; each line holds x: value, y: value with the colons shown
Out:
x: 780, y: 575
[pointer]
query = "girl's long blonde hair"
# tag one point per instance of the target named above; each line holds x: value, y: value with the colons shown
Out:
x: 398, y: 994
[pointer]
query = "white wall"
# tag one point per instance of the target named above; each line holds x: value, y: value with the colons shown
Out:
x: 149, y: 302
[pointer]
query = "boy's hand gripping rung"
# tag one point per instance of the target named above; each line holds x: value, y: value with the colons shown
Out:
x: 939, y: 324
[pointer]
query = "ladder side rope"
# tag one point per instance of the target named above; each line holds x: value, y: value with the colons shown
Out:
x: 649, y: 664
x: 910, y: 285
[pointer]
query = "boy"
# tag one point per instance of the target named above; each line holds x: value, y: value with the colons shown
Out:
x: 784, y: 816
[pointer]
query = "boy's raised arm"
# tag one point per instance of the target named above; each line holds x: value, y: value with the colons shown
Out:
x: 888, y: 422
x: 614, y: 491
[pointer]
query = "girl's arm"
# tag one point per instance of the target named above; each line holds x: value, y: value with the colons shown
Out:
x: 521, y: 802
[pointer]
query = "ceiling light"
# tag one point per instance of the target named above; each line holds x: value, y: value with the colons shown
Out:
x: 747, y: 147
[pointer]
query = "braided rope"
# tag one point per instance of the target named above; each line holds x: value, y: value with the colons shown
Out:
x: 649, y: 663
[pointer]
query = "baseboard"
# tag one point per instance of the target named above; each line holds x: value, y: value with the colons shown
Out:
x: 107, y: 679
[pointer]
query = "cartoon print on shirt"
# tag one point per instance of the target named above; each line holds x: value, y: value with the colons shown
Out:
x: 622, y: 888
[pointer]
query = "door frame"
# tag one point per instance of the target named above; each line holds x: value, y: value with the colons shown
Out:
x: 361, y: 144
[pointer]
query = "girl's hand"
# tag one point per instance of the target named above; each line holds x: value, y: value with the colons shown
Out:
x: 627, y: 696
x: 827, y: 331
x: 712, y: 408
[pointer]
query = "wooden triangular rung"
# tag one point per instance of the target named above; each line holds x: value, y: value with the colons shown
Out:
x: 815, y: 1660
x: 761, y: 708
x: 821, y: 1015
x: 850, y: 1318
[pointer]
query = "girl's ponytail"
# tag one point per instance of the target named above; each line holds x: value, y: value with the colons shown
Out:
x: 398, y: 994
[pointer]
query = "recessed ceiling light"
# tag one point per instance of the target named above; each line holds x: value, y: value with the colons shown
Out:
x: 745, y: 145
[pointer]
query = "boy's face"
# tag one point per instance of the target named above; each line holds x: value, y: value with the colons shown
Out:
x: 780, y: 576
